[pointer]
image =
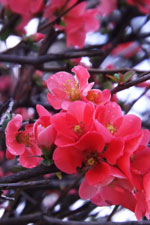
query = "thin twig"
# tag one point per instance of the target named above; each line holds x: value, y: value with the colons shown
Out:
x: 130, y: 84
x: 29, y: 173
x: 128, y: 107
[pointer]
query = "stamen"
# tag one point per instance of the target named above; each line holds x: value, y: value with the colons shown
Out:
x: 79, y: 129
x: 111, y: 128
x: 24, y: 138
x: 72, y: 89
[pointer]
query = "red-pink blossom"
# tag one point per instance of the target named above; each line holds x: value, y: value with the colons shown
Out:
x: 78, y: 20
x: 43, y: 129
x: 16, y: 140
x: 22, y: 143
x: 35, y: 37
x: 126, y: 50
x: 74, y: 123
x: 109, y: 118
x: 65, y: 88
x: 25, y: 8
x: 31, y: 156
x: 55, y: 8
x: 26, y: 113
x: 90, y: 152
x: 142, y: 5
x: 104, y: 8
x: 116, y: 193
x: 144, y: 84
x: 97, y: 96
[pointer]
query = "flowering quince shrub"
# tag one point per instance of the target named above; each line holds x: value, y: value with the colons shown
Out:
x: 89, y: 134
x: 65, y: 132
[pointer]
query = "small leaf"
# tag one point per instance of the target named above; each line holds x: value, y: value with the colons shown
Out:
x: 6, y: 121
x: 62, y: 23
x: 59, y: 175
x: 117, y: 75
x: 114, y: 78
x: 128, y: 75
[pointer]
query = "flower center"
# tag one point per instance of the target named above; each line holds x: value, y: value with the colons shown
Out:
x: 92, y: 159
x: 111, y: 128
x: 24, y: 138
x: 72, y: 89
x: 79, y: 129
x: 93, y: 96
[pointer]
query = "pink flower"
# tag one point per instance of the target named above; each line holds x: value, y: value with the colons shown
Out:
x: 78, y: 20
x: 116, y: 193
x: 25, y: 8
x: 22, y: 143
x: 55, y: 8
x: 89, y: 152
x: 64, y: 88
x: 142, y: 5
x: 43, y: 130
x: 144, y: 84
x: 31, y: 156
x: 109, y: 118
x: 104, y: 8
x: 34, y: 37
x: 16, y: 140
x: 126, y: 50
x: 26, y: 113
x: 98, y: 97
x: 74, y: 123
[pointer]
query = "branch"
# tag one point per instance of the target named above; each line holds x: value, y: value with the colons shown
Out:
x: 56, y: 221
x: 35, y: 184
x: 130, y: 84
x: 90, y: 70
x: 36, y: 60
x: 36, y: 217
x: 29, y: 173
x: 30, y: 184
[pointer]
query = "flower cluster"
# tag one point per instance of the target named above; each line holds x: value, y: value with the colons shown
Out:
x: 78, y: 20
x: 75, y: 18
x: 91, y: 135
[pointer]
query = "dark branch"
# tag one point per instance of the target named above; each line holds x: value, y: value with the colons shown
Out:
x: 36, y: 217
x: 29, y: 173
x: 35, y: 60
x: 130, y: 84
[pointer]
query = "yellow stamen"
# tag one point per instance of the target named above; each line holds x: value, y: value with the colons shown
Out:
x: 72, y: 89
x: 111, y: 128
x: 79, y: 129
x: 92, y: 96
x: 91, y: 161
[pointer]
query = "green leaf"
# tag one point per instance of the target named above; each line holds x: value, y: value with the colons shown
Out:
x: 117, y: 75
x: 128, y: 75
x: 6, y: 121
x: 62, y: 23
x: 114, y: 78
x: 59, y: 175
x: 4, y: 35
